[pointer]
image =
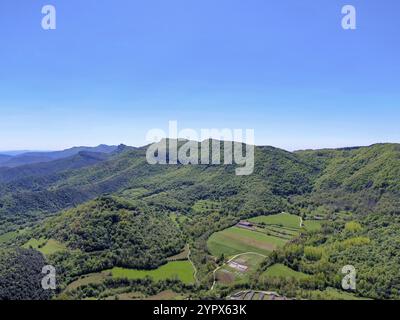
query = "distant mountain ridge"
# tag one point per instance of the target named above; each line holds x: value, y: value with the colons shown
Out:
x: 27, y: 158
x: 5, y: 158
x: 325, y: 175
x: 35, y: 170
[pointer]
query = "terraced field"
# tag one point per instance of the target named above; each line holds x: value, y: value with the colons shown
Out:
x: 265, y: 234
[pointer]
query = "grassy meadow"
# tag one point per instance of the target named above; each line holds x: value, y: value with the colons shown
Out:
x: 281, y: 271
x: 285, y: 220
x: 47, y: 247
x: 183, y: 270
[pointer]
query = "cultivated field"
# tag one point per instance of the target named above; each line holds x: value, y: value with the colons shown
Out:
x: 237, y: 240
x: 232, y: 272
x: 266, y: 234
x: 249, y: 242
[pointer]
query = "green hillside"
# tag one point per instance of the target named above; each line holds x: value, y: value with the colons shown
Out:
x: 105, y: 233
x: 277, y: 175
x: 122, y: 212
x: 361, y: 180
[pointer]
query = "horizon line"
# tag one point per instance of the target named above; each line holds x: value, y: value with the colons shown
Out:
x: 25, y: 150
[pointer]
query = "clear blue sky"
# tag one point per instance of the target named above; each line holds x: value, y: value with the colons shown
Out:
x: 115, y: 69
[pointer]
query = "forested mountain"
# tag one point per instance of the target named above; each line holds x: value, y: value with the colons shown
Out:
x: 357, y: 191
x: 38, y: 157
x: 127, y: 221
x: 80, y: 160
x: 4, y: 158
x: 362, y: 180
x: 277, y: 174
x: 111, y: 232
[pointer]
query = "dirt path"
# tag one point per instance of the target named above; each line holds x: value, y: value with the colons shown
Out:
x: 194, y: 267
x: 231, y: 259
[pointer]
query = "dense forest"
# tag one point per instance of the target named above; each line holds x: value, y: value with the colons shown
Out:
x: 21, y: 275
x: 117, y: 210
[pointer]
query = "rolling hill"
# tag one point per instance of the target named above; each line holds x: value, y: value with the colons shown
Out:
x: 126, y: 194
x: 53, y: 187
x: 26, y: 158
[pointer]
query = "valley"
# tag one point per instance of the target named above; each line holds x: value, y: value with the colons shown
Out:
x: 120, y: 228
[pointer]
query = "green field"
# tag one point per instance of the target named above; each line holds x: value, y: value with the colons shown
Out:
x: 286, y: 220
x: 8, y: 236
x: 47, y: 247
x: 134, y: 193
x: 237, y: 240
x: 282, y: 231
x: 271, y: 232
x: 183, y: 270
x: 280, y: 270
x: 312, y: 225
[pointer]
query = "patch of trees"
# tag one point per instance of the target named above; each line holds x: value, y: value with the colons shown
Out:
x: 21, y: 275
x: 110, y: 232
x: 113, y: 287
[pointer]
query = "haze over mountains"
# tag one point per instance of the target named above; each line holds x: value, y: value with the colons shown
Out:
x: 15, y: 158
x: 80, y: 174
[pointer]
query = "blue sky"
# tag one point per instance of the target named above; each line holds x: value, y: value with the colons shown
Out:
x: 112, y: 70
